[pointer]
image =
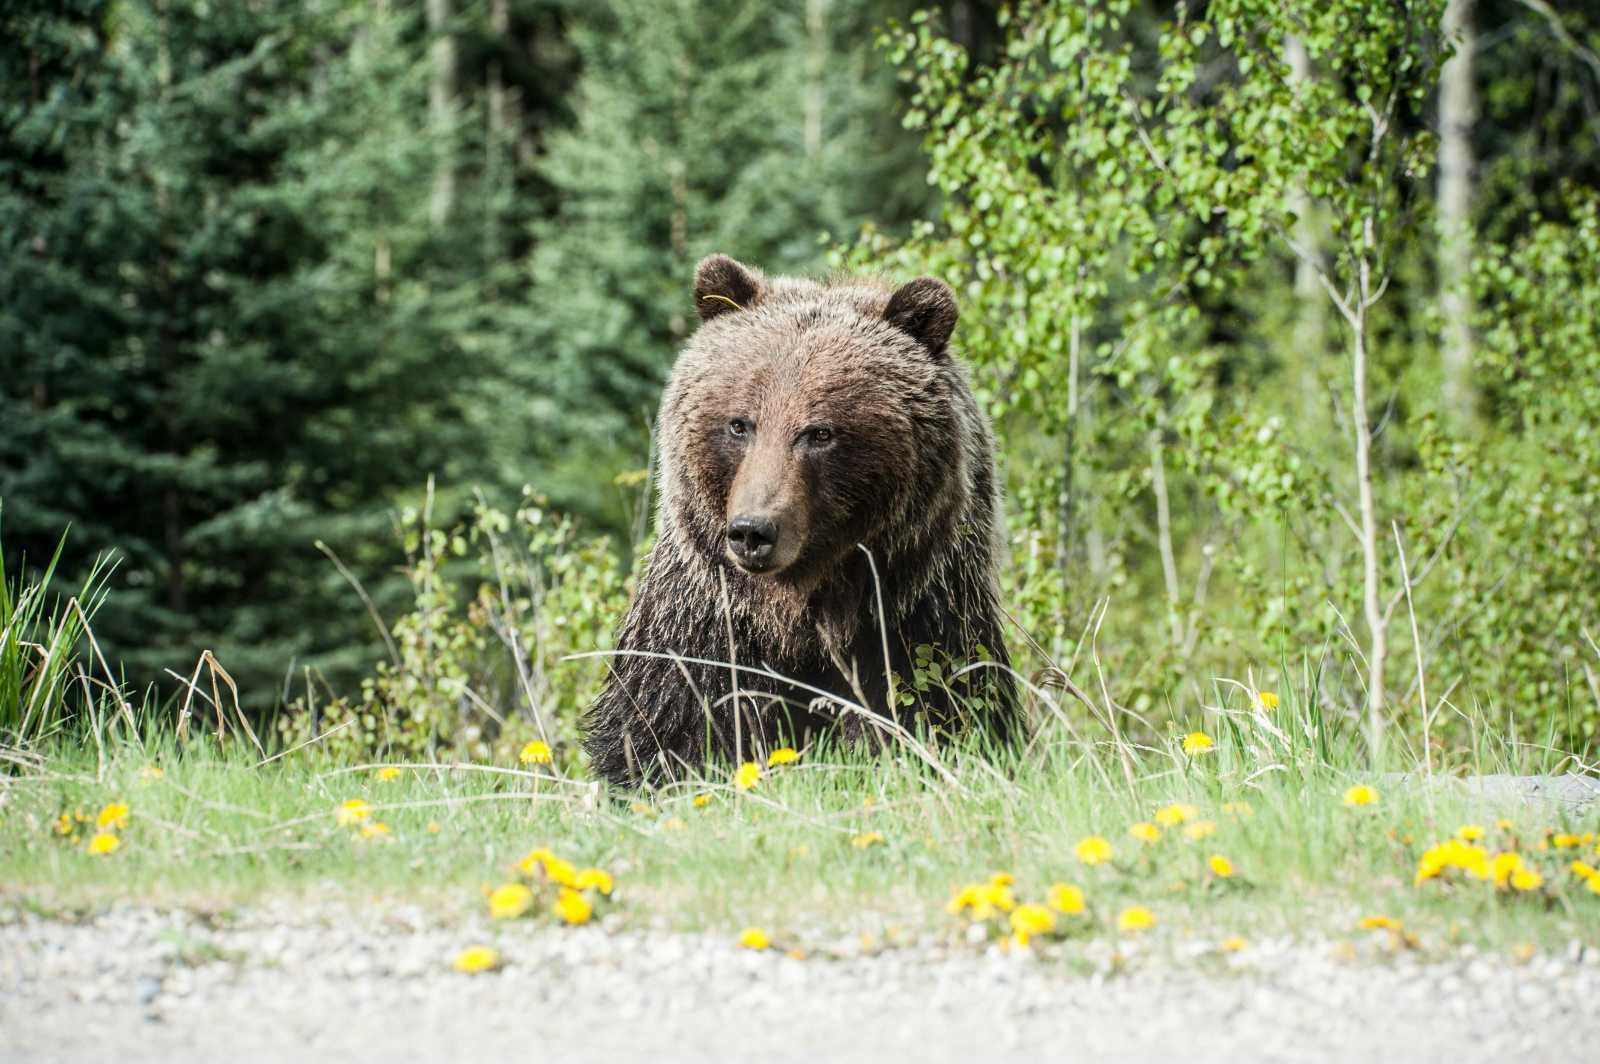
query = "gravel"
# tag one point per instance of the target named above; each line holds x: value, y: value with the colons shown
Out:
x: 281, y: 981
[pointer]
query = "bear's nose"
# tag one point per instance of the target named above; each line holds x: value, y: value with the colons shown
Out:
x: 752, y: 538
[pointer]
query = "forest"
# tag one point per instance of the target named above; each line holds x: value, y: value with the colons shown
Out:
x: 331, y: 335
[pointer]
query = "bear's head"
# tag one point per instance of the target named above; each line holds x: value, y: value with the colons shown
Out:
x: 806, y: 418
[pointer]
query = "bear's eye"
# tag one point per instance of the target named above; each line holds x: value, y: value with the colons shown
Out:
x: 738, y: 427
x: 819, y: 436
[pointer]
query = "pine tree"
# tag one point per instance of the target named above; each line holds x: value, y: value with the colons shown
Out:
x: 236, y: 334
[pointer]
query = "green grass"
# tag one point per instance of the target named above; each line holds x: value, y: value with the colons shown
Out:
x: 216, y: 829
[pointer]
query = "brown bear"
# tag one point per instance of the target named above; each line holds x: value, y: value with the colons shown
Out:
x: 828, y: 500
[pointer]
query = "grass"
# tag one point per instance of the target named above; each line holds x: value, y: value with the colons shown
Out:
x: 840, y: 841
x: 216, y: 829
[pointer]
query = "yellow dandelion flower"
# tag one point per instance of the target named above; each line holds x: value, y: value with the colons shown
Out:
x: 594, y: 879
x: 1145, y: 831
x: 1504, y: 824
x: 151, y: 772
x: 673, y: 823
x: 1379, y: 923
x: 1474, y: 861
x: 1561, y: 842
x: 573, y: 907
x: 434, y: 828
x: 534, y: 861
x: 1200, y: 829
x: 702, y: 800
x: 1361, y: 794
x: 1269, y: 700
x: 536, y: 752
x: 388, y: 773
x: 866, y: 839
x: 1241, y: 810
x: 375, y: 830
x: 1220, y: 866
x: 783, y: 755
x: 1065, y: 899
x: 1197, y: 742
x: 754, y: 938
x: 510, y: 901
x: 1582, y: 870
x: 1232, y: 945
x: 1470, y: 832
x: 104, y: 842
x: 558, y: 871
x: 644, y: 809
x: 1135, y: 918
x: 1526, y: 879
x: 993, y: 898
x: 1002, y: 879
x: 1453, y: 853
x: 352, y: 812
x: 1094, y: 850
x: 65, y: 825
x: 1503, y: 867
x: 1173, y: 815
x: 477, y: 959
x: 748, y: 775
x: 962, y: 899
x: 114, y: 817
x: 1594, y: 884
x: 1028, y: 920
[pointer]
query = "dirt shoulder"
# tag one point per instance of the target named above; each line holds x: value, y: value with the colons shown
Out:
x: 270, y: 983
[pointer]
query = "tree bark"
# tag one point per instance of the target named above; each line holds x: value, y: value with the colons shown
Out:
x: 1377, y: 621
x: 441, y: 103
x: 1457, y: 112
x: 1169, y: 563
x: 1309, y: 305
x: 496, y: 140
x: 816, y: 53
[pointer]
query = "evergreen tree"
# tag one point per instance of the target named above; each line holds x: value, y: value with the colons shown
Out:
x: 235, y: 333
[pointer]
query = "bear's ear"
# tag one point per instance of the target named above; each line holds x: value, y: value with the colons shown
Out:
x: 722, y: 285
x: 925, y: 310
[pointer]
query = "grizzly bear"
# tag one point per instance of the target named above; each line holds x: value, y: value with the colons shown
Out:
x: 828, y: 524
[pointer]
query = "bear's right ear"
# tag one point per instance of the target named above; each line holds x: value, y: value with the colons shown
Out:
x: 722, y: 285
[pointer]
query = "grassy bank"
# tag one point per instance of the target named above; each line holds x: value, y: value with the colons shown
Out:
x: 829, y: 844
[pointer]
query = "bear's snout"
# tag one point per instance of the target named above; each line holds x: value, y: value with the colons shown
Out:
x: 751, y: 540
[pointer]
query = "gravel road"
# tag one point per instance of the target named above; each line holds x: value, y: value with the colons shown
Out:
x: 136, y: 984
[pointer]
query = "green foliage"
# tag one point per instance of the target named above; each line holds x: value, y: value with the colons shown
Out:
x: 1122, y: 199
x: 235, y: 334
x: 1527, y: 598
x: 44, y: 675
x: 230, y: 331
x: 476, y: 675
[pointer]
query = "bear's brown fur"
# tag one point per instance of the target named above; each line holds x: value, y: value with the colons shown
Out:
x: 803, y: 422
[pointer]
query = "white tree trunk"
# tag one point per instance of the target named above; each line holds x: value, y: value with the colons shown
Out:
x: 1457, y: 112
x: 1377, y: 619
x: 1310, y: 306
x: 441, y: 105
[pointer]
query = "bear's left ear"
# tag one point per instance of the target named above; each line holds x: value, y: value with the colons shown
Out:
x: 722, y: 285
x: 925, y: 310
